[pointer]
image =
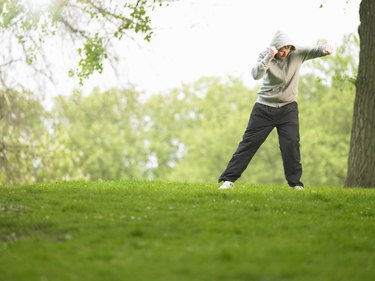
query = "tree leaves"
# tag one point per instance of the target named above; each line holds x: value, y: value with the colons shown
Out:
x: 185, y: 134
x: 92, y: 24
x: 92, y: 56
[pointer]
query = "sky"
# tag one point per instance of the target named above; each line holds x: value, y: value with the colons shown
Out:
x: 195, y: 38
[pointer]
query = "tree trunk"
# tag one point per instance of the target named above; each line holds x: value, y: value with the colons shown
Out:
x: 361, y: 164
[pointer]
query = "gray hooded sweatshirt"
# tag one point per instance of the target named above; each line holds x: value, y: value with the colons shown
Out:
x: 280, y: 77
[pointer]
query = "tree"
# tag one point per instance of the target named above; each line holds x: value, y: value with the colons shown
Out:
x: 106, y: 130
x: 361, y: 163
x: 29, y: 151
x: 204, y: 120
x: 19, y: 131
x: 92, y: 27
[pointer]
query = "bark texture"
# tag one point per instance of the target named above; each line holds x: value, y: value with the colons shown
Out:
x: 361, y: 163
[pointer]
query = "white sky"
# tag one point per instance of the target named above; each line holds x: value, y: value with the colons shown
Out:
x: 195, y: 38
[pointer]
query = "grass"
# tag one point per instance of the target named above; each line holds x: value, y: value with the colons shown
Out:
x: 133, y: 230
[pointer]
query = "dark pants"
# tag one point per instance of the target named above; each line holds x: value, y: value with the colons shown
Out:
x: 262, y: 121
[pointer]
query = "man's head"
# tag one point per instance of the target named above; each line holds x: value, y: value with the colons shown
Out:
x: 283, y: 52
x: 283, y: 44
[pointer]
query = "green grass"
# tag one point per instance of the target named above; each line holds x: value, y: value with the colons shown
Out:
x: 133, y: 230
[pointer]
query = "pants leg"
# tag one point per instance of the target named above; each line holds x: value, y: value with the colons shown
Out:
x: 288, y: 131
x: 259, y: 127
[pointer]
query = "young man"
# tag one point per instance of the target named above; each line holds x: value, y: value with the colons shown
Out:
x: 276, y: 106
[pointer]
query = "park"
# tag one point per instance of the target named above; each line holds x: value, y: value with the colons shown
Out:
x: 120, y: 182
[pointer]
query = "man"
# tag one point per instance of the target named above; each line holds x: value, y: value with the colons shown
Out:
x: 276, y: 106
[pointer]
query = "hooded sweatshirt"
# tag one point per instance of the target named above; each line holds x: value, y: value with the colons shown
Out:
x: 280, y: 77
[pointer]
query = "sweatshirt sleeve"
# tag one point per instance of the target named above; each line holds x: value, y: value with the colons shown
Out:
x: 311, y: 53
x: 262, y: 64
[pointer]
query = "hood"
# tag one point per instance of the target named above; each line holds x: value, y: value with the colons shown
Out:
x: 280, y: 39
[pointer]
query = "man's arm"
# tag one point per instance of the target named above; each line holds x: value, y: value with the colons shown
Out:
x: 263, y: 62
x: 315, y: 52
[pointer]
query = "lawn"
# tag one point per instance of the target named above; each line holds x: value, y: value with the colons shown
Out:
x: 140, y: 230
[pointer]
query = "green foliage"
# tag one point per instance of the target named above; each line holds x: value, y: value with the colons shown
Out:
x: 30, y: 152
x: 130, y: 230
x: 140, y: 20
x: 21, y: 124
x: 189, y: 133
x: 326, y: 133
x: 326, y: 114
x: 93, y: 24
x: 207, y: 118
x: 9, y: 9
x: 93, y: 54
x: 106, y: 130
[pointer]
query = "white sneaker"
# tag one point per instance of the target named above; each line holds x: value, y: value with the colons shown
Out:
x: 297, y: 187
x: 227, y: 185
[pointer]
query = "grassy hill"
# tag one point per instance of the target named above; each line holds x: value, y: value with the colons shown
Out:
x: 134, y: 230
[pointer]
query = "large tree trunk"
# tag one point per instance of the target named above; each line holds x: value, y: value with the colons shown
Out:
x: 361, y: 164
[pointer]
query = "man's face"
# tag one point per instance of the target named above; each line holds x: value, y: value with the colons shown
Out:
x: 283, y: 52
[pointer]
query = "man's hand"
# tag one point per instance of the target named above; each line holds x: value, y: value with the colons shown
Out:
x: 328, y: 49
x: 273, y: 51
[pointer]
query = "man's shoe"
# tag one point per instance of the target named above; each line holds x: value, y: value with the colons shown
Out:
x: 297, y: 187
x: 227, y: 185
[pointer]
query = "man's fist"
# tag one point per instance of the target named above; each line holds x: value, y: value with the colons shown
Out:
x: 273, y: 51
x: 328, y: 49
